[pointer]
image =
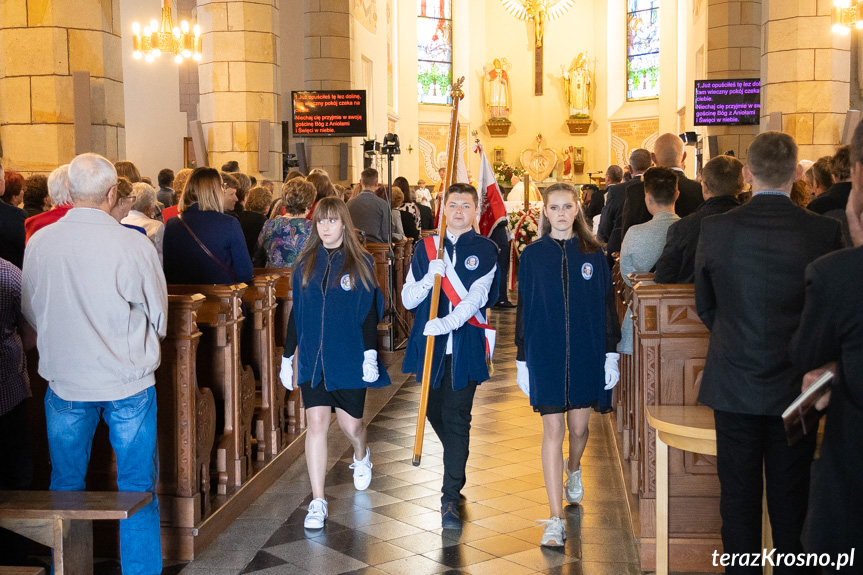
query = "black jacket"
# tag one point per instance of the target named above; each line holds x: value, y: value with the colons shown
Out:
x: 833, y: 199
x: 831, y: 329
x: 426, y: 217
x: 635, y: 209
x: 12, y: 233
x: 676, y: 265
x: 749, y: 284
x: 612, y: 212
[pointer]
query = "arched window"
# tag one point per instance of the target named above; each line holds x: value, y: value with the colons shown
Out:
x: 642, y: 49
x: 434, y: 51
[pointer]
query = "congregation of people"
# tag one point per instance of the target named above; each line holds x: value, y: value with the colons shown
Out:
x: 96, y: 245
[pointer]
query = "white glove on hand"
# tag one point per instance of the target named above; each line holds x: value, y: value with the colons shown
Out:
x: 612, y: 373
x: 286, y: 373
x: 436, y: 268
x: 441, y: 325
x: 522, y: 377
x: 370, y: 365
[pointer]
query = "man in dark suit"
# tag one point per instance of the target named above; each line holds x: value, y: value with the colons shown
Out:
x: 749, y: 286
x: 722, y: 180
x: 11, y: 228
x: 166, y: 194
x: 831, y: 330
x: 612, y: 211
x: 613, y: 176
x: 667, y: 153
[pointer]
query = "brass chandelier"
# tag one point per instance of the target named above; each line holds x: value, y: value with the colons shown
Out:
x: 165, y: 38
x: 847, y: 14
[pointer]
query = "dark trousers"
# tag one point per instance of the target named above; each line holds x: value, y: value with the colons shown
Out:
x: 16, y: 473
x: 449, y: 414
x: 749, y: 447
x: 499, y: 237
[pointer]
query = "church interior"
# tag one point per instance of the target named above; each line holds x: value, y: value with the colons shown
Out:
x: 555, y: 91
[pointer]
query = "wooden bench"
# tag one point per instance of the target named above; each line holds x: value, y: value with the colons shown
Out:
x: 63, y: 520
x: 21, y: 570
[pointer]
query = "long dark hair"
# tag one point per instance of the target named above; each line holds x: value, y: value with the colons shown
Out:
x: 356, y: 265
x: 587, y: 242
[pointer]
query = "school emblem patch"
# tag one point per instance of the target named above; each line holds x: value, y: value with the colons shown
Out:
x: 587, y: 271
x: 345, y: 282
x: 471, y: 262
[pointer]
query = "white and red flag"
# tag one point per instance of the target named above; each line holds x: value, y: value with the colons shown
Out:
x: 492, y: 208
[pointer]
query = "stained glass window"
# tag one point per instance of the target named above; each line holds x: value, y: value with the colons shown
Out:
x: 642, y: 49
x: 434, y: 51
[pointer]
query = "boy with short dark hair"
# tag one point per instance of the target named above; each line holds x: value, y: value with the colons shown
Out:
x: 463, y: 344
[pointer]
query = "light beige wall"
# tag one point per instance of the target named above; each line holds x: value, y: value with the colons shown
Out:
x: 155, y: 126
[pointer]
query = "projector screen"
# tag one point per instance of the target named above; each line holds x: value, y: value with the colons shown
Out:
x: 339, y: 113
x: 728, y: 102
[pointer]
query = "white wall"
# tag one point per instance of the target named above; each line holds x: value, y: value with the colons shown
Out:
x: 155, y: 127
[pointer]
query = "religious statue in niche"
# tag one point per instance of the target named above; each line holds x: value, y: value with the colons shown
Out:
x: 578, y: 91
x: 573, y: 162
x: 498, y: 96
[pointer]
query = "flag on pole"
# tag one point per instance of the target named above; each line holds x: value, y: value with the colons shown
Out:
x: 492, y: 208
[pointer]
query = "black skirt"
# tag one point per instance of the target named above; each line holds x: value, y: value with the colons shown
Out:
x: 351, y: 401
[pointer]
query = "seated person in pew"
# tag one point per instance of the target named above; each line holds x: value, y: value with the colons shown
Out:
x: 565, y: 384
x: 283, y: 237
x: 643, y: 244
x: 202, y: 245
x: 95, y: 293
x: 749, y: 292
x: 463, y: 345
x: 721, y: 181
x: 333, y: 329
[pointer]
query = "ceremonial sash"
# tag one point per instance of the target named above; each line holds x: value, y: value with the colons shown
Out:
x: 455, y: 291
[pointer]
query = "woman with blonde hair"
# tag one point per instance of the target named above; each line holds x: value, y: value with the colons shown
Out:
x: 567, y: 331
x: 283, y: 237
x: 203, y: 245
x: 332, y: 331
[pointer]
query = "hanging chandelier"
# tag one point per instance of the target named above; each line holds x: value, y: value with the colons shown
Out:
x: 165, y: 38
x: 847, y: 14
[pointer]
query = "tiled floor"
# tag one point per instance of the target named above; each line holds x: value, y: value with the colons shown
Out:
x: 394, y: 526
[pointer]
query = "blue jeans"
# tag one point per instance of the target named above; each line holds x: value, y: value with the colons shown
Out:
x: 132, y: 431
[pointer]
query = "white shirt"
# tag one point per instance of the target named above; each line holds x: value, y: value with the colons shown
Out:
x: 154, y: 228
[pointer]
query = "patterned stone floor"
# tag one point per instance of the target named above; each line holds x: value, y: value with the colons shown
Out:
x: 394, y: 526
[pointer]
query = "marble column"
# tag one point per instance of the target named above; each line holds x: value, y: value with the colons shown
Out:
x: 327, y: 28
x: 733, y: 51
x: 41, y: 43
x: 239, y: 81
x: 805, y: 73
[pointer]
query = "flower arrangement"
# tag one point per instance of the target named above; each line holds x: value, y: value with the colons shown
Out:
x: 579, y: 116
x: 525, y: 229
x: 504, y: 173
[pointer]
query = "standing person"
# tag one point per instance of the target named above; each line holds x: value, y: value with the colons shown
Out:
x: 749, y: 292
x: 610, y: 221
x: 567, y: 331
x: 369, y: 212
x: 459, y: 364
x: 166, y: 194
x: 282, y: 238
x: 333, y: 331
x: 95, y: 276
x: 11, y: 229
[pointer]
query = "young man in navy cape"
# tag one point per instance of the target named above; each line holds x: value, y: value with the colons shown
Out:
x: 463, y: 339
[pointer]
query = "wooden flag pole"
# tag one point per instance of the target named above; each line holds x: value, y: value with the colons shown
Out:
x: 452, y: 146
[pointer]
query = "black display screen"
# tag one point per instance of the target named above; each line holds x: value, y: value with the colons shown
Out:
x: 728, y: 102
x: 329, y: 113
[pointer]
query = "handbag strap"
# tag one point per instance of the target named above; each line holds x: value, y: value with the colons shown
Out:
x: 231, y: 272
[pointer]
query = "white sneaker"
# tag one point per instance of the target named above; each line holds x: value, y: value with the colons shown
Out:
x: 555, y: 532
x: 317, y: 514
x: 362, y: 471
x: 573, y: 489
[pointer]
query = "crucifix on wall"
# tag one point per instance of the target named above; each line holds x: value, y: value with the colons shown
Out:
x: 538, y: 12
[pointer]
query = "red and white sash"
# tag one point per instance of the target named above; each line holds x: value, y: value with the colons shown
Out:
x: 455, y: 291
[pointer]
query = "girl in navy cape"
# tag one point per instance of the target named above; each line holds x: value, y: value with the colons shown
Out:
x: 567, y: 331
x: 333, y: 330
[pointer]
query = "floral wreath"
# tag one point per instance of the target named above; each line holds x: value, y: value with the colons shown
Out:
x: 525, y: 227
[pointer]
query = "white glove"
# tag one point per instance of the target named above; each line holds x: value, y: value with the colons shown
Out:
x: 522, y: 377
x: 286, y: 373
x: 370, y: 365
x: 436, y: 268
x: 441, y: 325
x: 612, y: 373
